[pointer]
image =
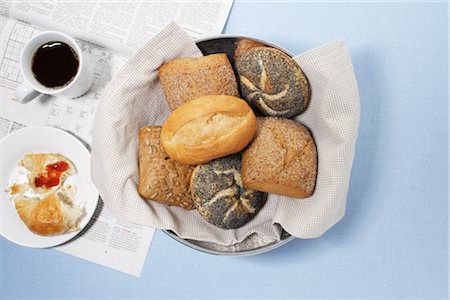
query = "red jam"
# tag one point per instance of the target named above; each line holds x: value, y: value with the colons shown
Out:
x: 53, y: 175
x: 59, y: 166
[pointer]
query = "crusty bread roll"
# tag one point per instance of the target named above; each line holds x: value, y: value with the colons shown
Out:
x: 207, y: 128
x: 219, y: 195
x: 244, y: 45
x: 185, y: 79
x: 282, y: 159
x: 272, y: 82
x: 161, y: 178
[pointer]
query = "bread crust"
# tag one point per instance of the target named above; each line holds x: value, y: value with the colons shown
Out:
x: 207, y: 128
x: 162, y: 179
x: 220, y: 196
x: 244, y: 45
x: 43, y: 217
x: 185, y: 79
x: 282, y: 159
x: 48, y: 216
x: 272, y: 82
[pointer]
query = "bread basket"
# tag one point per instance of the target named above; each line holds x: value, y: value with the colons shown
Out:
x: 333, y: 119
x: 252, y: 245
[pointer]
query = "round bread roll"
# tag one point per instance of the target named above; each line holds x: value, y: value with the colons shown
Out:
x: 243, y: 45
x: 282, y: 159
x: 207, y: 128
x: 219, y: 195
x: 272, y: 82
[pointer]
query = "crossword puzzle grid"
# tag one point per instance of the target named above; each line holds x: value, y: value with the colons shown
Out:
x: 20, y: 34
x: 7, y: 127
x: 4, y: 127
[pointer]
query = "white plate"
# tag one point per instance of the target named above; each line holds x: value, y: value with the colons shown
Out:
x: 43, y: 140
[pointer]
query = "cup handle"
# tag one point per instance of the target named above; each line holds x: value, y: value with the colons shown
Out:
x: 26, y: 93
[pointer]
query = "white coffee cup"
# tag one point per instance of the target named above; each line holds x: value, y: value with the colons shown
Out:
x: 31, y: 87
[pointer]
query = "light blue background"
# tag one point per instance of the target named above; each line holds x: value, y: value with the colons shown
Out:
x: 393, y: 241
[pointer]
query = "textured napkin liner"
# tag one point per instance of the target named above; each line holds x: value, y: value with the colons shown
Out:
x: 134, y: 98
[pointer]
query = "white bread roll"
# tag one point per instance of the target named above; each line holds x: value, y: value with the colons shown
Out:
x: 207, y: 128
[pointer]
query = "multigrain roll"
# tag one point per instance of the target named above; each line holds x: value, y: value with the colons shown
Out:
x: 185, y: 79
x: 272, y: 82
x: 219, y: 195
x: 207, y: 128
x: 282, y: 159
x: 161, y: 178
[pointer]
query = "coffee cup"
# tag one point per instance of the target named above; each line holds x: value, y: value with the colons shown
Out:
x: 52, y: 63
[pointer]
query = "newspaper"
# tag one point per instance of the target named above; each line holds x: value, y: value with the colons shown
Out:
x: 108, y: 33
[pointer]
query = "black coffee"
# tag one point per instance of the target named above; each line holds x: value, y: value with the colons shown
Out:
x: 55, y: 64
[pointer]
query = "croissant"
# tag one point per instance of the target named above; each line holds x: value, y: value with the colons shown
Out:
x: 47, y: 169
x: 49, y: 216
x: 44, y: 204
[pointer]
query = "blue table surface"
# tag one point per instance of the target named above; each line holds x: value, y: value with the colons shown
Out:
x: 393, y: 241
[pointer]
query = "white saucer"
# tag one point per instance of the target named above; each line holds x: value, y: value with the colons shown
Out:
x: 43, y: 140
